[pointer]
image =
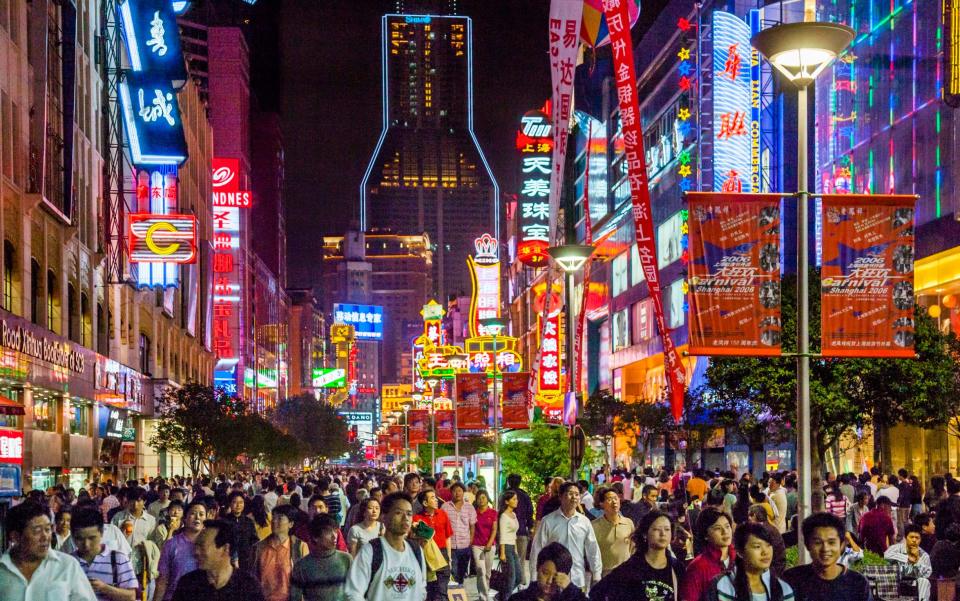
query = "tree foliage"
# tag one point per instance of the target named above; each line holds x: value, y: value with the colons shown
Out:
x: 320, y: 432
x: 758, y: 395
x: 543, y: 453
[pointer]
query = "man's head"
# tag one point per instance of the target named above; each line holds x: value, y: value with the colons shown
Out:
x: 884, y: 504
x: 903, y: 473
x: 553, y: 559
x: 823, y: 537
x: 412, y: 483
x: 776, y: 481
x: 569, y: 497
x: 29, y: 528
x: 87, y: 530
x: 649, y: 494
x: 715, y: 528
x: 164, y: 492
x: 236, y: 503
x: 457, y: 490
x: 323, y: 531
x: 428, y: 499
x: 282, y: 519
x: 758, y: 514
x: 926, y: 523
x: 398, y: 513
x: 316, y: 505
x: 513, y: 481
x: 62, y: 520
x: 608, y: 500
x: 136, y: 497
x: 195, y: 516
x: 912, y: 536
x: 213, y: 545
x: 178, y: 494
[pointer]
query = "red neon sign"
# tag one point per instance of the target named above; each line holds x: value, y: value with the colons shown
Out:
x: 11, y: 446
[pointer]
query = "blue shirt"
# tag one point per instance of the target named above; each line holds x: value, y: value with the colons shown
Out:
x: 101, y: 568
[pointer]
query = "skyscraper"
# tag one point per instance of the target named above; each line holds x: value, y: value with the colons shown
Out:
x: 428, y: 173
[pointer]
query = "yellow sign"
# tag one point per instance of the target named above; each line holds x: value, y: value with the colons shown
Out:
x: 341, y: 332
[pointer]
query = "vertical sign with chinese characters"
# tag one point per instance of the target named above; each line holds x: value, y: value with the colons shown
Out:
x: 548, y: 378
x: 535, y: 143
x: 622, y: 49
x: 565, y: 16
x: 227, y: 278
x: 732, y: 108
x: 485, y: 276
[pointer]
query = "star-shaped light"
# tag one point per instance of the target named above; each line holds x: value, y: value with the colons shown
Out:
x: 685, y: 184
x: 683, y: 114
x: 685, y: 129
x: 684, y: 157
x: 684, y: 83
x: 684, y: 170
x: 684, y: 54
x: 684, y: 68
x: 683, y: 24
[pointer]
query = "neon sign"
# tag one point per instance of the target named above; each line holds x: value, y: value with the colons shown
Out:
x: 485, y: 274
x: 166, y: 238
x: 535, y: 143
x: 732, y: 108
x: 548, y: 378
x: 227, y: 280
x: 367, y: 320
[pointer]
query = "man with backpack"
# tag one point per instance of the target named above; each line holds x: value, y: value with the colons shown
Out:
x: 390, y: 568
x: 110, y: 573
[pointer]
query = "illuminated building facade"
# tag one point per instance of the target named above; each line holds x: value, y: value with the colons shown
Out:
x: 307, y: 335
x: 428, y: 173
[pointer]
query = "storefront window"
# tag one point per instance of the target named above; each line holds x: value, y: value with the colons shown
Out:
x: 43, y: 414
x: 621, y: 330
x: 43, y: 479
x: 80, y: 422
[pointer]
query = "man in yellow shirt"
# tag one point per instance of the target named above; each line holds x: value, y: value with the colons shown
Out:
x: 697, y: 487
x: 613, y: 531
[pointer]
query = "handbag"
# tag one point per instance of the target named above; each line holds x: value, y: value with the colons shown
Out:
x: 500, y: 579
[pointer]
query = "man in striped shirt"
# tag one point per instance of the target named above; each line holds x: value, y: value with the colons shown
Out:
x: 109, y: 572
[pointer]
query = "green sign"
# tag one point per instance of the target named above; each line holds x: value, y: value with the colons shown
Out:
x: 326, y: 377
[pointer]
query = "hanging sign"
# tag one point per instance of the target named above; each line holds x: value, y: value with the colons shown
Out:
x: 472, y: 401
x: 535, y: 143
x: 444, y: 423
x: 516, y: 401
x: 418, y: 421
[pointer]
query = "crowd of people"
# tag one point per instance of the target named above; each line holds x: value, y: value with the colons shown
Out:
x: 375, y: 536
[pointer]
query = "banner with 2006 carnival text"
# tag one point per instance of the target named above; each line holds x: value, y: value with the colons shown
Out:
x: 418, y: 423
x: 734, y: 273
x: 473, y: 401
x: 516, y: 401
x: 866, y: 277
x: 621, y: 46
x: 445, y: 426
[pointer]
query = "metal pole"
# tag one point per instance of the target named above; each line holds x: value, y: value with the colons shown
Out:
x: 496, y: 426
x: 570, y: 336
x: 805, y: 480
x: 456, y: 433
x: 433, y: 435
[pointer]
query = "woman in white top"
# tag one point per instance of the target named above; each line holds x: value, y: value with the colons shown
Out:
x: 367, y: 530
x: 507, y: 528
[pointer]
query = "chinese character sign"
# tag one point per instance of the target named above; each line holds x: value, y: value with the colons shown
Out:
x: 11, y: 446
x: 485, y: 275
x: 152, y: 38
x: 226, y: 287
x: 535, y: 143
x: 515, y: 401
x: 151, y: 117
x: 867, y: 276
x: 621, y: 47
x: 734, y: 274
x: 473, y: 401
x: 732, y: 110
x: 367, y: 320
x: 564, y: 38
x: 551, y: 348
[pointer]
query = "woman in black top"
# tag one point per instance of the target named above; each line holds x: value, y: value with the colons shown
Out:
x: 553, y: 578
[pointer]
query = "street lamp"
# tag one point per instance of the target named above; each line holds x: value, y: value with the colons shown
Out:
x: 570, y: 258
x: 432, y: 382
x: 495, y: 325
x: 800, y: 52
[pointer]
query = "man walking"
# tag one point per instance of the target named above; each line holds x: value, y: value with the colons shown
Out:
x: 572, y: 530
x: 143, y: 522
x: 437, y: 519
x: 613, y: 531
x: 217, y: 578
x: 110, y: 573
x: 463, y: 521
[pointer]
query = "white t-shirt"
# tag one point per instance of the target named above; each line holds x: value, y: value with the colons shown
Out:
x: 400, y: 578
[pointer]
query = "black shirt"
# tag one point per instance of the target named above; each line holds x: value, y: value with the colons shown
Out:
x: 637, y: 580
x: 195, y: 586
x: 808, y: 586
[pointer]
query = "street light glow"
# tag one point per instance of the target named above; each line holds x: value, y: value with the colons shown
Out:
x: 801, y: 51
x: 571, y: 257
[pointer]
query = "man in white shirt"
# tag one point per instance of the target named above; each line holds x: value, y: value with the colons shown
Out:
x: 270, y: 497
x: 401, y: 573
x: 143, y: 522
x: 31, y: 570
x: 574, y: 531
x: 778, y: 499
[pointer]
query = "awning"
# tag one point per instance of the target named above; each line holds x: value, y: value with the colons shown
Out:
x: 9, y: 407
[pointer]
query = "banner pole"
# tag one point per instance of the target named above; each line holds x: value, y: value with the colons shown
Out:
x: 456, y: 432
x: 803, y: 322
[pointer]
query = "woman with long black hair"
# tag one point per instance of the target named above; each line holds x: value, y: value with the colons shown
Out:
x: 751, y: 579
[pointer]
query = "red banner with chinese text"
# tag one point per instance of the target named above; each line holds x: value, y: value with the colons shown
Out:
x: 418, y: 421
x: 734, y: 273
x: 396, y: 439
x: 383, y: 445
x: 516, y: 401
x: 444, y: 424
x: 473, y: 401
x: 618, y: 22
x: 866, y: 276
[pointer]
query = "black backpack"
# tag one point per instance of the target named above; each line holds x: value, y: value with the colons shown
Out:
x: 377, y: 561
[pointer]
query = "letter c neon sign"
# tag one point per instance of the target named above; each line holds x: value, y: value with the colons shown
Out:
x: 162, y: 251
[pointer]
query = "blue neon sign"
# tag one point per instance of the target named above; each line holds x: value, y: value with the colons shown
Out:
x: 417, y: 19
x: 153, y: 39
x: 732, y: 114
x: 151, y: 118
x: 367, y: 320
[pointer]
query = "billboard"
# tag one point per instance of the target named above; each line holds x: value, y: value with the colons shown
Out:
x: 472, y: 401
x: 367, y: 320
x: 152, y: 38
x: 732, y: 109
x: 163, y: 238
x: 535, y: 144
x: 444, y: 423
x: 515, y: 401
x: 227, y: 270
x: 734, y: 274
x: 328, y: 377
x: 485, y: 275
x: 866, y: 277
x: 418, y: 422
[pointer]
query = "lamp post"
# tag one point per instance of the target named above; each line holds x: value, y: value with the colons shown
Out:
x: 495, y: 325
x: 458, y: 360
x: 800, y: 52
x: 570, y: 258
x: 433, y: 426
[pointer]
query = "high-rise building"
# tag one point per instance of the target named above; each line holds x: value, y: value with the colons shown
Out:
x: 428, y: 173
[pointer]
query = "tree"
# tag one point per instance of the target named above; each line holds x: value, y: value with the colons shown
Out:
x: 543, y: 453
x: 199, y: 423
x: 641, y: 423
x: 598, y: 418
x: 320, y: 431
x: 757, y: 392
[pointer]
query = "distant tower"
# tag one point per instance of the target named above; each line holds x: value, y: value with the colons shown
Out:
x: 428, y: 173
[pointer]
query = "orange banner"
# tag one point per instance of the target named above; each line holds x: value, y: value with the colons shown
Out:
x: 515, y: 405
x: 866, y: 276
x: 473, y: 402
x: 734, y: 273
x: 419, y: 424
x: 444, y: 424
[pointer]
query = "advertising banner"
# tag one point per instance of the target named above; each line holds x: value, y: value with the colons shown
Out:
x: 565, y: 16
x: 866, y: 276
x: 734, y: 273
x: 419, y: 423
x: 395, y: 441
x: 383, y: 445
x: 621, y: 45
x: 444, y: 424
x: 514, y: 410
x: 472, y: 401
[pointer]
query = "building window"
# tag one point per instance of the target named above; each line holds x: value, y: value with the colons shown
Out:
x: 80, y: 422
x: 103, y: 338
x: 73, y: 332
x: 620, y: 283
x: 86, y: 325
x: 52, y: 301
x: 11, y: 421
x: 44, y: 414
x: 145, y: 355
x: 35, y: 291
x: 8, y: 270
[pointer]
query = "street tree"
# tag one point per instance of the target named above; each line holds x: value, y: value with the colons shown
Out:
x: 641, y: 423
x: 321, y: 433
x: 599, y: 416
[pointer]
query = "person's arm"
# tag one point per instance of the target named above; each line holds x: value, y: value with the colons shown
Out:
x: 538, y: 542
x: 493, y: 537
x: 593, y: 553
x: 358, y: 578
x: 296, y: 593
x: 924, y: 568
x: 79, y: 585
x: 164, y: 572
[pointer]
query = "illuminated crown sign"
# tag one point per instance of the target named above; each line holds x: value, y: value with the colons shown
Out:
x: 487, y: 249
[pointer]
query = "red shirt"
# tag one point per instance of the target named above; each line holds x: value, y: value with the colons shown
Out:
x: 444, y: 494
x: 485, y: 521
x: 701, y: 572
x: 877, y: 530
x: 440, y: 522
